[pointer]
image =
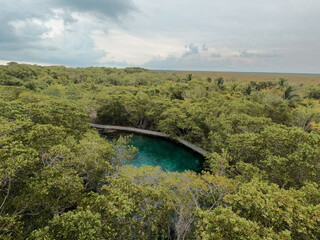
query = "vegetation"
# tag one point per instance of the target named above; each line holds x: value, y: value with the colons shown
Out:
x: 60, y: 180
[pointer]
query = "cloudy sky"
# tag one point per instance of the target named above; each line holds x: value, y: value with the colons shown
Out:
x: 205, y: 35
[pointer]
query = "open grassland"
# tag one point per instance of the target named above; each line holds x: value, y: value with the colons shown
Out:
x: 293, y: 79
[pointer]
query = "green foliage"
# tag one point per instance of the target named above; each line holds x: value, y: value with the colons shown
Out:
x: 189, y: 77
x: 80, y: 225
x: 282, y: 82
x: 247, y: 91
x: 303, y: 116
x: 261, y: 85
x: 223, y: 223
x: 314, y: 93
x: 288, y: 155
x: 275, y: 107
x: 219, y: 82
x: 290, y: 95
x: 285, y: 211
x: 60, y: 180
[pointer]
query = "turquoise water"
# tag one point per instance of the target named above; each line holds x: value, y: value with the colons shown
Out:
x: 166, y: 154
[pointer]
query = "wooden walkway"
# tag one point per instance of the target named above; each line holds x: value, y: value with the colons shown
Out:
x: 150, y: 133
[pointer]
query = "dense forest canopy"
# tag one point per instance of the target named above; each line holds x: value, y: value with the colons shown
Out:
x: 60, y: 180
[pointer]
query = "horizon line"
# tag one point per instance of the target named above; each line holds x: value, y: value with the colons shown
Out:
x: 5, y: 62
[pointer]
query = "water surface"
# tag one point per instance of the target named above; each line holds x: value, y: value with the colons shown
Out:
x: 164, y: 153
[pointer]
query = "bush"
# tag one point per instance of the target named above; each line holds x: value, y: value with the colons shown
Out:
x: 315, y: 93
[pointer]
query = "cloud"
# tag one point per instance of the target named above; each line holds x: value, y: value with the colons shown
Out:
x: 215, y: 55
x: 191, y: 50
x: 109, y: 8
x: 194, y: 58
x: 204, y: 47
x: 248, y: 54
x: 197, y: 64
x: 182, y: 34
x: 58, y: 32
x: 29, y: 29
x: 121, y: 46
x: 215, y: 59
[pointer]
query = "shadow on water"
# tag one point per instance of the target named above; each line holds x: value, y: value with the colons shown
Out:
x: 167, y: 154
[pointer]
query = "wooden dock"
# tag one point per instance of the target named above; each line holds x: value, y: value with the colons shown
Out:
x: 150, y: 133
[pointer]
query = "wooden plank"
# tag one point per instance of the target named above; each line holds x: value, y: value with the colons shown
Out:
x: 150, y: 133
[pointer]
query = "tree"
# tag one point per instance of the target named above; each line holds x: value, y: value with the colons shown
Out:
x: 290, y: 96
x: 219, y: 82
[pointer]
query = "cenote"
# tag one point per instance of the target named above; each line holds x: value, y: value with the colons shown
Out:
x: 167, y: 154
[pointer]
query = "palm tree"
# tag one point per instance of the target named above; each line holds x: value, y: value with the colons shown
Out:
x: 247, y: 91
x: 282, y: 82
x: 291, y: 96
x: 219, y: 82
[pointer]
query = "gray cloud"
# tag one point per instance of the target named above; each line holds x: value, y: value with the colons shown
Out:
x: 36, y: 9
x: 191, y: 50
x: 80, y: 53
x: 109, y: 8
x: 192, y: 59
x: 248, y: 54
x: 204, y: 47
x: 24, y: 11
x: 185, y: 63
x: 26, y: 23
x: 7, y: 33
x: 272, y: 35
x: 216, y: 55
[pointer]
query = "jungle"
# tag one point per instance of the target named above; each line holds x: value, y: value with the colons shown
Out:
x: 59, y: 179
